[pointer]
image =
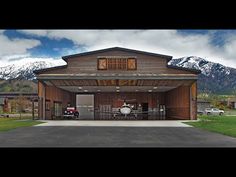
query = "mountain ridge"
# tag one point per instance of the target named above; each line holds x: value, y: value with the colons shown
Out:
x: 214, y: 77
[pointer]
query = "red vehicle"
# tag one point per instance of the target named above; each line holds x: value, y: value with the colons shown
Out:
x: 71, y: 113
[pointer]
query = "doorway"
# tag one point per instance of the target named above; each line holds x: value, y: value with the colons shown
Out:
x: 85, y: 106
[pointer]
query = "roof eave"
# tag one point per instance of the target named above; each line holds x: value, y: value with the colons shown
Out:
x: 65, y: 58
x: 196, y: 71
x: 48, y: 69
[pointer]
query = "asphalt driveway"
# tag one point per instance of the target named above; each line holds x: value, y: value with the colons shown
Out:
x: 89, y: 136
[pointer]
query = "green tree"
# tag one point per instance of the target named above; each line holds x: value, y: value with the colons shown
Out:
x: 21, y: 103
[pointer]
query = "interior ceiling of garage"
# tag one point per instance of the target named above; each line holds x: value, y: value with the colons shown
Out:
x: 116, y: 89
x: 118, y: 85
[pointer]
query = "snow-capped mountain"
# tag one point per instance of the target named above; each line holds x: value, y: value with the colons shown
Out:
x: 214, y: 77
x: 205, y: 66
x: 23, y: 71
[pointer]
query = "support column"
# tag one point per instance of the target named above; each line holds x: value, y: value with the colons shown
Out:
x: 193, y: 101
x: 42, y: 95
x: 32, y: 108
x: 44, y: 102
x: 190, y: 103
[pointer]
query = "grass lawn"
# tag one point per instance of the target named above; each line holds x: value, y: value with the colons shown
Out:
x: 230, y: 112
x: 221, y: 124
x: 12, y: 123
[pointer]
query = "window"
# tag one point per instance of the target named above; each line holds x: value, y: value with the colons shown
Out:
x: 57, y: 109
x: 102, y: 64
x: 131, y: 64
x: 117, y: 64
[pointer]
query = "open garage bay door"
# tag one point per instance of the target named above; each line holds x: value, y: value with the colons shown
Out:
x: 85, y: 106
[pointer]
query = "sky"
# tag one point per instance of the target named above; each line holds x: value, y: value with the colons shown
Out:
x: 50, y: 45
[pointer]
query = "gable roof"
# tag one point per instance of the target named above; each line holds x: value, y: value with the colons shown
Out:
x: 65, y: 58
x: 116, y: 48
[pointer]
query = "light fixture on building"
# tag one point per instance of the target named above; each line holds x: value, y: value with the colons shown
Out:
x: 85, y: 90
x: 117, y: 90
x: 117, y: 87
x: 154, y: 87
x: 99, y: 90
x: 80, y: 88
x: 149, y: 90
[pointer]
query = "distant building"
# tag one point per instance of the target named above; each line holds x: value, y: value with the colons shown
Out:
x: 231, y: 103
x: 2, y: 103
x: 7, y: 97
x: 202, y: 104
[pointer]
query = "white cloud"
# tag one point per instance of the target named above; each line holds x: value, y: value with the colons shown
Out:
x: 15, y: 46
x: 67, y: 51
x: 14, y: 57
x: 168, y: 42
x: 35, y: 32
x: 1, y: 31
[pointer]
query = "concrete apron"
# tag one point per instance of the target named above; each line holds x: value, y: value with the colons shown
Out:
x: 117, y: 123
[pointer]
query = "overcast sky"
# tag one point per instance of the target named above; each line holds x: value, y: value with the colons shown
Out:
x: 49, y: 45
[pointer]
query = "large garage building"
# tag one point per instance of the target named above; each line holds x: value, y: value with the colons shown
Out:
x: 99, y: 81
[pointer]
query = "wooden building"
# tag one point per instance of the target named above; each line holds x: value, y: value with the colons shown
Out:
x: 100, y: 80
x: 203, y: 104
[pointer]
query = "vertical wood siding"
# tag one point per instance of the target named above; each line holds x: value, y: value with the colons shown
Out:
x: 177, y: 103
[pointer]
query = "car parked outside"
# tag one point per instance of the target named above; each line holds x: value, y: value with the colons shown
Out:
x: 214, y: 111
x: 200, y: 112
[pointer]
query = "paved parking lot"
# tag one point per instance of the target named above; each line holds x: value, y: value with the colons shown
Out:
x: 113, y: 136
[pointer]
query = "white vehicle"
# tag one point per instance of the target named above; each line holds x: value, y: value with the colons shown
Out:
x: 127, y: 109
x: 214, y: 111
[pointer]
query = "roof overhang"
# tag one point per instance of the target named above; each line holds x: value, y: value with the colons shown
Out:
x: 98, y: 89
x: 97, y: 76
x: 114, y: 83
x: 48, y: 69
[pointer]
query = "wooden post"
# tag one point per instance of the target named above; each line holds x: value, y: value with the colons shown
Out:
x: 193, y: 101
x: 44, y: 102
x: 33, y: 109
x: 41, y: 94
x: 190, y: 103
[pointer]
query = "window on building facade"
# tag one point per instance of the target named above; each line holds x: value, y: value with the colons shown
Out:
x: 102, y: 63
x: 117, y: 64
x: 131, y: 64
x: 57, y: 109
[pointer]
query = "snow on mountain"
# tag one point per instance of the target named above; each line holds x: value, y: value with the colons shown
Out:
x: 23, y: 70
x: 214, y: 77
x: 205, y: 66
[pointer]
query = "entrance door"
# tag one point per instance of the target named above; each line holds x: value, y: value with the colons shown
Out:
x: 85, y: 106
x: 145, y: 109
